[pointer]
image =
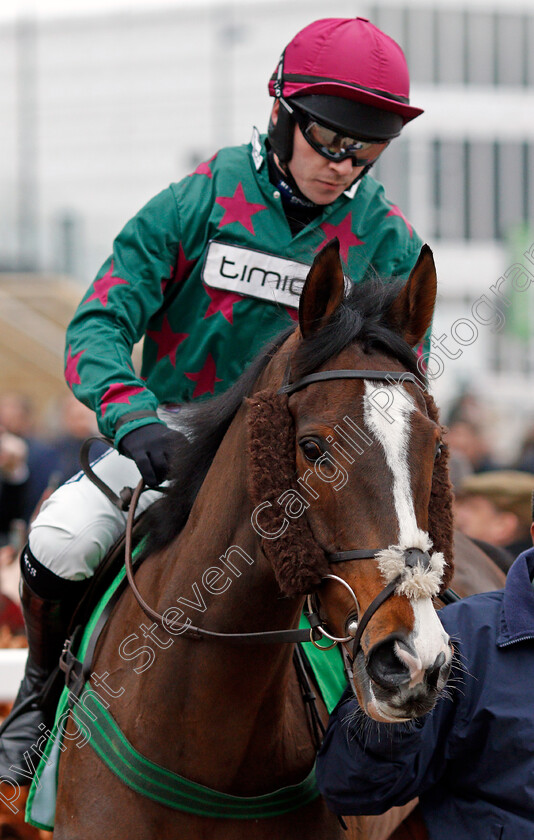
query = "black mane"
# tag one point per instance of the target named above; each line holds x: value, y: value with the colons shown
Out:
x: 361, y: 317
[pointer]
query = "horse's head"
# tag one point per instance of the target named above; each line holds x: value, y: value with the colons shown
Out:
x: 365, y: 518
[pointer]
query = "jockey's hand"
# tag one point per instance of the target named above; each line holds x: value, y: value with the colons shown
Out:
x: 151, y: 448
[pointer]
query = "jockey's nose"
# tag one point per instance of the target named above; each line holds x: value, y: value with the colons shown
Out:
x: 342, y: 167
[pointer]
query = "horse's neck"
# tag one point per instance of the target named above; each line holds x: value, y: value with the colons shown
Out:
x: 239, y: 699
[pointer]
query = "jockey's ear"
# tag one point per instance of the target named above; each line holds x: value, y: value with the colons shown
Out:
x: 411, y: 312
x: 323, y: 290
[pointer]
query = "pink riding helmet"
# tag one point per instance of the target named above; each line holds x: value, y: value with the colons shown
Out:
x: 346, y: 73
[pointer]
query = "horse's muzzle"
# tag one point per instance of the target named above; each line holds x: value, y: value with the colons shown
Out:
x: 394, y: 665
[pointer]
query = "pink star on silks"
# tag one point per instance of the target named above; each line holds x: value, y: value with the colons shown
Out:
x: 343, y: 231
x: 119, y: 392
x: 238, y: 209
x: 205, y: 378
x: 222, y: 301
x: 421, y: 361
x: 183, y: 265
x: 180, y: 271
x: 72, y: 377
x: 204, y: 167
x: 167, y: 340
x: 293, y: 313
x: 395, y: 211
x: 166, y: 281
x: 102, y: 286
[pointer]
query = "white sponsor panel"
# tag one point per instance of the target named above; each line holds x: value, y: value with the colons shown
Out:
x: 254, y: 273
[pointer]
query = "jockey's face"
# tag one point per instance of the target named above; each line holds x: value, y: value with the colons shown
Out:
x: 319, y: 179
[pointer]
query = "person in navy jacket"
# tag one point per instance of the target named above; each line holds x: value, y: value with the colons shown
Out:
x: 470, y: 760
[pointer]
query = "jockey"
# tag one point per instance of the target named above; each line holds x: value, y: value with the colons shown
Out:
x: 205, y: 272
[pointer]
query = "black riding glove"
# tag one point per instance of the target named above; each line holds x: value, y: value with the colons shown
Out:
x: 151, y: 448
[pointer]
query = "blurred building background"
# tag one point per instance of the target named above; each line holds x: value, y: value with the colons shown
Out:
x: 100, y: 112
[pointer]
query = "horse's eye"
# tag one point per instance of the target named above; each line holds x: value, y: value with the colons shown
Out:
x: 352, y: 625
x: 439, y: 447
x: 311, y: 449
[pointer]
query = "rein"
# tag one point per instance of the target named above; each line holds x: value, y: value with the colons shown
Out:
x: 265, y: 637
x: 317, y: 630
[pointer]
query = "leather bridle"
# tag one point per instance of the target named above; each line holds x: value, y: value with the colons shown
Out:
x: 317, y: 631
x: 412, y: 555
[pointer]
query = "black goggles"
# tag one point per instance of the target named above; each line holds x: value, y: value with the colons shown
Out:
x: 334, y: 146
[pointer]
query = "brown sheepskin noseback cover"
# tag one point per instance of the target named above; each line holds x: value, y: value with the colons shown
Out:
x: 440, y: 516
x: 299, y: 563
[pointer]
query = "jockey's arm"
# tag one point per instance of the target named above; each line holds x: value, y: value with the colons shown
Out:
x: 115, y: 313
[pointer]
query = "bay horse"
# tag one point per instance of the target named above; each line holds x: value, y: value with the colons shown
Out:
x: 299, y: 466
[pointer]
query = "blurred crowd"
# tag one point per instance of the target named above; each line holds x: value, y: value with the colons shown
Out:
x: 37, y: 453
x: 493, y: 500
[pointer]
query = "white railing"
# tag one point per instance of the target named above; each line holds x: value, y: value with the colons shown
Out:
x: 12, y: 662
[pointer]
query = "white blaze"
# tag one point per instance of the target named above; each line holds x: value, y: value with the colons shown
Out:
x: 391, y: 428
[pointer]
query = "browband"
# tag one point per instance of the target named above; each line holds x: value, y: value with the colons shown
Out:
x: 321, y: 376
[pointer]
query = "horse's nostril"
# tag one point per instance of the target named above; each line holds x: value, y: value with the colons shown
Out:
x: 440, y: 660
x: 436, y: 671
x: 385, y: 668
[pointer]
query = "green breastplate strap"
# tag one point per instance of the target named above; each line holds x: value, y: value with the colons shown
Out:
x: 161, y: 785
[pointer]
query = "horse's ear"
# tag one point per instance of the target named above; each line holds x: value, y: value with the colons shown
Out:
x: 323, y: 290
x: 411, y: 312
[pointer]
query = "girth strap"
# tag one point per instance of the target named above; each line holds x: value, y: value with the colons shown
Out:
x: 170, y: 789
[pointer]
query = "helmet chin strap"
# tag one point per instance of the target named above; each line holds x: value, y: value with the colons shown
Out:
x: 288, y: 186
